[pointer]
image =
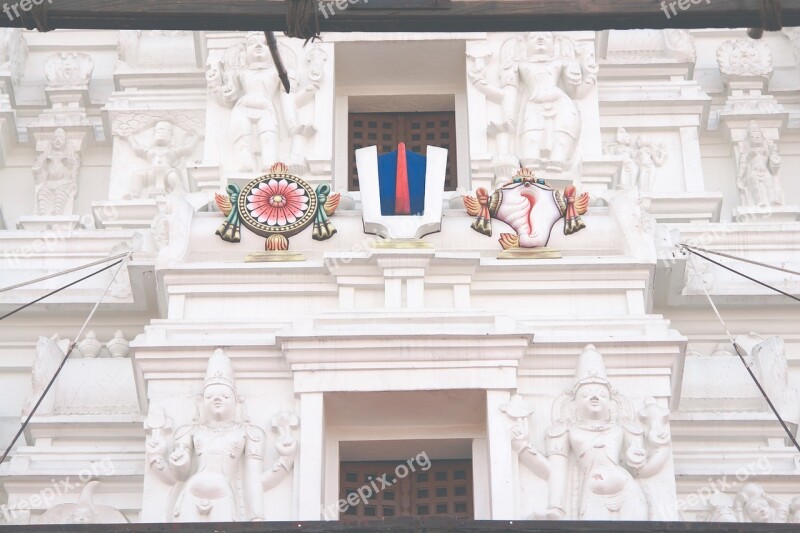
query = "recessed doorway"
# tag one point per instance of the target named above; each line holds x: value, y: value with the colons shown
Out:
x: 424, y: 479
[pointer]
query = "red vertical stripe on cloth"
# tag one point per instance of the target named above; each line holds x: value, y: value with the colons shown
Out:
x: 402, y: 199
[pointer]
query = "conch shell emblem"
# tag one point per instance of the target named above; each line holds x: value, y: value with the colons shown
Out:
x: 531, y: 207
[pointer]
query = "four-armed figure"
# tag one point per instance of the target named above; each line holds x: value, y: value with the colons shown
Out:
x: 164, y: 153
x: 759, y: 163
x: 594, y: 426
x: 247, y: 82
x: 541, y: 76
x: 227, y: 452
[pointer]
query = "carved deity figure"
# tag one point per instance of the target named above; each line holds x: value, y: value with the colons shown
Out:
x: 745, y: 58
x: 48, y: 356
x: 759, y: 164
x: 642, y: 159
x: 594, y: 430
x: 542, y: 75
x: 261, y: 112
x: 623, y: 145
x: 68, y: 70
x: 754, y: 505
x: 648, y: 157
x: 56, y: 175
x: 220, y: 459
x: 164, y: 153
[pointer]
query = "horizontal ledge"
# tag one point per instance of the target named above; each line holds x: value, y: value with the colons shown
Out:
x: 461, y: 16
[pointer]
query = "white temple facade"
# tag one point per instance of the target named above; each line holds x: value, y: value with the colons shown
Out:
x: 559, y: 362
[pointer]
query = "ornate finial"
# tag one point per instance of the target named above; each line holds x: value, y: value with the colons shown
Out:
x: 279, y: 168
x: 220, y: 370
x: 591, y: 369
x: 525, y: 174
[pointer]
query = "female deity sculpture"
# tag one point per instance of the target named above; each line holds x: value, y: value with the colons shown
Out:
x: 759, y: 163
x: 594, y: 430
x: 227, y: 454
x: 541, y: 76
x: 648, y: 156
x: 56, y: 174
x: 261, y: 112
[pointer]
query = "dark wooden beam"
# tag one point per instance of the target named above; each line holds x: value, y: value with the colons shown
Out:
x: 470, y: 15
x: 420, y: 525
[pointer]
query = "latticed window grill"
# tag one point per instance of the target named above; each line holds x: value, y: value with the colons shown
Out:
x: 445, y: 490
x: 417, y: 130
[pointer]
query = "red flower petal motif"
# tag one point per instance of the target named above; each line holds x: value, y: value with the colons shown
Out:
x: 277, y: 202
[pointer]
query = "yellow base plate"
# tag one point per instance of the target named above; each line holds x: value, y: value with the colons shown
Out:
x: 530, y: 253
x: 274, y: 257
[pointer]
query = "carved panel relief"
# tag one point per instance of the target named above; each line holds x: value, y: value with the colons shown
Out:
x: 757, y: 172
x: 68, y: 70
x: 263, y: 124
x: 217, y: 462
x: 536, y: 83
x: 642, y: 159
x: 603, y: 460
x: 152, y: 153
x: 55, y: 172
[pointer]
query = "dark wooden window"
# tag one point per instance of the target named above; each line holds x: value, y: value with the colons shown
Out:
x: 417, y: 130
x: 445, y: 490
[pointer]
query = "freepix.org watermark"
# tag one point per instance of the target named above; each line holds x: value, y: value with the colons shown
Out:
x: 671, y: 7
x: 45, y: 497
x: 328, y: 8
x: 12, y: 10
x: 376, y: 485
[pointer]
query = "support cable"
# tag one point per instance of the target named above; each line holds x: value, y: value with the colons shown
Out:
x: 72, y: 345
x: 37, y: 300
x: 746, y: 365
x: 63, y: 272
x: 770, y: 287
x: 742, y: 259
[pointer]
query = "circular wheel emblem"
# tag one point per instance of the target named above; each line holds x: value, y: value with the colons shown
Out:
x: 277, y: 203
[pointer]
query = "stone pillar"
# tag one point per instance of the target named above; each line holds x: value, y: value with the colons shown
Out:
x: 754, y: 121
x: 501, y: 486
x: 312, y: 453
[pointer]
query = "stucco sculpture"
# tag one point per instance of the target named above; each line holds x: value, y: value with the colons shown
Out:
x: 217, y: 463
x: 594, y: 431
x: 542, y: 76
x: 261, y: 112
x: 56, y: 175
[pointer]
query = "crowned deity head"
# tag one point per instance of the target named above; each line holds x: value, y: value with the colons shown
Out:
x: 592, y: 390
x: 623, y: 137
x: 219, y: 389
x: 59, y: 139
x: 256, y: 47
x: 754, y: 134
x: 541, y: 43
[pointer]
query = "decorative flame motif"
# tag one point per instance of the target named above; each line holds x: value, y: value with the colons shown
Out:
x: 277, y: 202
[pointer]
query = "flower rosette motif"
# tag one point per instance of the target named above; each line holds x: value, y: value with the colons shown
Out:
x: 277, y: 204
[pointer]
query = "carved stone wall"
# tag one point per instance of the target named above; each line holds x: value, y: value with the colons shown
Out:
x: 227, y: 381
